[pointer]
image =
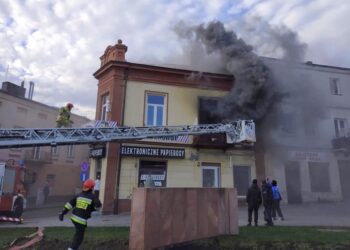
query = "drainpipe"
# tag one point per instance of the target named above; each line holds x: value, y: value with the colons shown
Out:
x: 126, y: 77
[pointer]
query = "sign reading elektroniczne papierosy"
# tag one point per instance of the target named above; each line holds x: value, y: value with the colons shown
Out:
x: 153, y: 152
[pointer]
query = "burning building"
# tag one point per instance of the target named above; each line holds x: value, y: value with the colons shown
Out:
x: 147, y: 95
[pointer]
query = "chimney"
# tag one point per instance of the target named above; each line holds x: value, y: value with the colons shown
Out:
x: 31, y: 90
x: 13, y: 89
x: 114, y: 53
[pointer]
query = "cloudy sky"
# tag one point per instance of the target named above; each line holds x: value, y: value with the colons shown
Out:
x: 57, y: 44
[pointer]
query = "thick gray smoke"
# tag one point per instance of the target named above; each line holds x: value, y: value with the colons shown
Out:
x: 271, y: 41
x: 255, y: 91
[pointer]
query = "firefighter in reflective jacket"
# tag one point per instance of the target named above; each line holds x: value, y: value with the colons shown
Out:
x: 63, y: 118
x: 82, y: 205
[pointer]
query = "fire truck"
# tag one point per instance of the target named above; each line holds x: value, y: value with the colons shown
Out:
x: 11, y: 189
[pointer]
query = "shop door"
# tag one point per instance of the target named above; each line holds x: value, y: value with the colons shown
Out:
x: 210, y: 176
x: 154, y: 169
x: 293, y: 182
x: 241, y: 179
x: 344, y: 173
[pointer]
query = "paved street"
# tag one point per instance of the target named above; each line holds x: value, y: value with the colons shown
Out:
x: 310, y: 214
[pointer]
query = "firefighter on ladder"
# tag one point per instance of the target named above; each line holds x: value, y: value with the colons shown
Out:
x: 63, y: 118
x: 83, y: 204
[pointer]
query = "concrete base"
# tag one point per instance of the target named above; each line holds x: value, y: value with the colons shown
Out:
x: 166, y: 216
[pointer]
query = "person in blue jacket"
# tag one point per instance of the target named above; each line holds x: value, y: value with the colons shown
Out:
x: 276, y: 201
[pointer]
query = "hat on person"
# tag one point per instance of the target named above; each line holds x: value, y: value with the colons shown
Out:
x: 88, y: 184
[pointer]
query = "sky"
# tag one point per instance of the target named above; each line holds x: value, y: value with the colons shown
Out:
x: 57, y: 44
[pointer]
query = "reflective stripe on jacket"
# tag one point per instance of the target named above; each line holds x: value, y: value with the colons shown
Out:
x: 82, y: 205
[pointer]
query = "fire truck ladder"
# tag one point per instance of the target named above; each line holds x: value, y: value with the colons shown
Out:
x: 238, y: 131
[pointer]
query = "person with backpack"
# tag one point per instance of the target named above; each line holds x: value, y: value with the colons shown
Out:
x: 276, y: 201
x: 254, y: 201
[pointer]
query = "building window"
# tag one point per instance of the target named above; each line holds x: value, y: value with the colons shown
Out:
x: 341, y: 127
x: 42, y: 116
x: 319, y: 176
x: 54, y: 150
x: 210, y: 175
x: 155, y: 109
x: 241, y: 179
x: 310, y: 129
x: 105, y: 107
x: 70, y: 151
x: 335, y: 86
x: 155, y: 171
x: 21, y: 110
x: 207, y: 108
x: 36, y: 153
x: 288, y: 124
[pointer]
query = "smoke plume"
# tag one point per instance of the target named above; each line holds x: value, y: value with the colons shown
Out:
x: 255, y: 91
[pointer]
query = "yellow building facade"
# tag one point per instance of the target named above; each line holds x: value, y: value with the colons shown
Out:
x: 145, y: 95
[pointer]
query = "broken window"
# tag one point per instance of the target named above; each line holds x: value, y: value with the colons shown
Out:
x: 208, y: 111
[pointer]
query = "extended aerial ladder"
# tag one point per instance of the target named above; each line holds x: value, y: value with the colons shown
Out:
x: 237, y: 131
x: 104, y: 132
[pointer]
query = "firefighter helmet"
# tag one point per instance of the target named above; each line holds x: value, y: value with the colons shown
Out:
x: 88, y: 184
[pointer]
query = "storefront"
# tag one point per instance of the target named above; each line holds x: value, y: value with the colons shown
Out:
x: 182, y: 167
x: 306, y: 175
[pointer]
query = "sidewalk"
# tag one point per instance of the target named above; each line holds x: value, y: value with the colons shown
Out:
x: 335, y: 214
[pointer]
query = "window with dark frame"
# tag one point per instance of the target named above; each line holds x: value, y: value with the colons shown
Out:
x: 157, y: 170
x: 207, y: 107
x: 241, y: 179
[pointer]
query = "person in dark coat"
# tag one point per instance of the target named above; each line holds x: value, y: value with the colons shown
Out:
x: 267, y: 198
x: 18, y: 205
x: 254, y: 201
x: 276, y: 201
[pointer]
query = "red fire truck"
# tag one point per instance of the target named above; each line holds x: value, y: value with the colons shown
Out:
x: 11, y: 187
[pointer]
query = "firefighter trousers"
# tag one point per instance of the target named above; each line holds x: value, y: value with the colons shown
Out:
x: 78, y: 236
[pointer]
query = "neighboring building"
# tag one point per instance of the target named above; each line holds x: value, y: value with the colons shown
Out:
x: 309, y: 155
x: 145, y: 95
x: 60, y: 166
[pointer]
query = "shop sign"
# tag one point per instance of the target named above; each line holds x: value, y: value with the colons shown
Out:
x: 307, y: 156
x: 97, y: 152
x: 178, y: 153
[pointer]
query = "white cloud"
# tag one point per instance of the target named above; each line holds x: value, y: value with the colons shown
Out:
x: 57, y: 44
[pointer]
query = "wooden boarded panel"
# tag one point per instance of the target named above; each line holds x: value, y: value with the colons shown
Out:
x: 166, y: 216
